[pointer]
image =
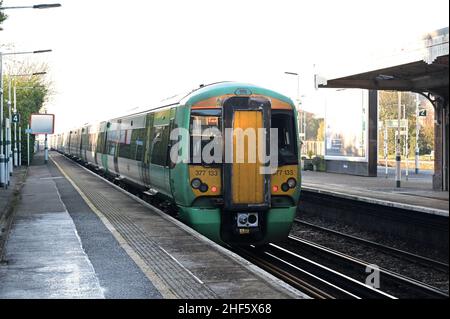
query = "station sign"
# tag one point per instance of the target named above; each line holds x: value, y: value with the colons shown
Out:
x: 402, y: 133
x: 16, y: 118
x: 42, y: 123
x: 394, y: 123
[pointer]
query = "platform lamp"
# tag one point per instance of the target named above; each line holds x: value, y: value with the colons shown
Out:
x: 4, y: 168
x: 302, y: 118
x: 36, y: 6
x: 17, y: 143
x: 6, y: 161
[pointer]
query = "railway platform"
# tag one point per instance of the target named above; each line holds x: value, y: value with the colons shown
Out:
x: 415, y: 194
x: 75, y: 235
x: 8, y: 200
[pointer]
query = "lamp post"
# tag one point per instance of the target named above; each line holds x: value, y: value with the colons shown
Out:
x: 36, y: 6
x: 17, y: 143
x: 398, y: 157
x: 3, y: 181
x: 5, y: 167
x: 302, y: 119
x: 416, y: 153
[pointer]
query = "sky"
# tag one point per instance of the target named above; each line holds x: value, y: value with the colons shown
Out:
x: 112, y: 56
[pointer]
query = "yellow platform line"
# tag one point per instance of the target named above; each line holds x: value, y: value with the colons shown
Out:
x: 163, y: 289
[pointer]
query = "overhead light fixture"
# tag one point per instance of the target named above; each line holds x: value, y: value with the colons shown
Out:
x: 384, y: 77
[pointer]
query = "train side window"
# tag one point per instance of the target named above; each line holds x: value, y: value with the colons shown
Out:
x: 138, y: 142
x: 125, y: 147
x: 100, y: 142
x: 159, y: 143
x: 131, y: 138
x: 111, y: 142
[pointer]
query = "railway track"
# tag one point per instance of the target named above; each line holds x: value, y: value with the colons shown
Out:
x: 428, y: 262
x: 316, y: 279
x: 309, y: 276
x: 392, y: 283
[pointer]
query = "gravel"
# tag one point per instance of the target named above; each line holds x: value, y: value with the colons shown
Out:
x: 428, y: 275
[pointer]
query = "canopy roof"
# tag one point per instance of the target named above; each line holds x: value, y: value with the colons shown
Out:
x: 427, y: 75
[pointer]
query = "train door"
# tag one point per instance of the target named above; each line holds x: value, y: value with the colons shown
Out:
x: 100, y: 157
x: 145, y: 167
x: 159, y: 140
x: 245, y: 185
x: 169, y: 166
x: 112, y: 131
x: 84, y: 136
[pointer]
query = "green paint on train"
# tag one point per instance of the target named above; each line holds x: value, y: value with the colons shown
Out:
x: 216, y: 199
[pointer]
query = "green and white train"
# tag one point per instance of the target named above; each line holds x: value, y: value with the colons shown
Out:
x: 229, y: 202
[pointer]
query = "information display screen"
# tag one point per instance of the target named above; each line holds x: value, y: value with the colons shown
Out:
x: 42, y: 123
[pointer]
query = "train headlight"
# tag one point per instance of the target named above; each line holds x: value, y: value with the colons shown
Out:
x: 291, y: 182
x: 285, y: 187
x: 203, y: 188
x: 242, y: 220
x: 196, y: 183
x: 247, y: 220
x: 252, y: 219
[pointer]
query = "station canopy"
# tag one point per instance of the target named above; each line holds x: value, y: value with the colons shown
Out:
x: 429, y: 74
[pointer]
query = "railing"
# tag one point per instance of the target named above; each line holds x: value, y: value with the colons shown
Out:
x: 317, y: 148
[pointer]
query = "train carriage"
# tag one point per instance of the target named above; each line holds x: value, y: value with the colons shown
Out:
x: 228, y: 200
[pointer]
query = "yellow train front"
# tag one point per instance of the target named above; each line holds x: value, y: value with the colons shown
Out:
x: 225, y: 155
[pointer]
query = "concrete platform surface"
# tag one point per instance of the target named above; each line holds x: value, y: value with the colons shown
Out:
x: 8, y: 199
x: 415, y: 193
x: 78, y: 236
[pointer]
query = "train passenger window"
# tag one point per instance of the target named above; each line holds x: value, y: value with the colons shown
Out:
x: 100, y: 145
x: 159, y: 142
x: 207, y: 125
x: 125, y: 147
x: 111, y: 142
x: 287, y: 147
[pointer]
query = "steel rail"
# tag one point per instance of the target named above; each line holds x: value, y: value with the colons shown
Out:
x: 333, y: 277
x: 418, y: 288
x: 425, y: 261
x: 307, y: 283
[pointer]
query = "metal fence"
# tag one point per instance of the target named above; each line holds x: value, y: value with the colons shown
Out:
x: 316, y: 148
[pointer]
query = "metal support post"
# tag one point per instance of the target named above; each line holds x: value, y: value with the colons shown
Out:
x: 2, y: 142
x: 386, y: 150
x: 8, y: 134
x: 8, y: 158
x: 398, y: 157
x: 28, y: 145
x: 45, y: 149
x: 16, y: 160
x: 19, y: 151
x: 416, y: 153
x: 406, y: 142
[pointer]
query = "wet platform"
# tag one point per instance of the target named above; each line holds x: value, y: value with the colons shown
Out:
x: 77, y: 236
x: 414, y: 194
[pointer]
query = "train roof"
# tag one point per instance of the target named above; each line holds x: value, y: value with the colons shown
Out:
x: 202, y: 93
x: 225, y: 88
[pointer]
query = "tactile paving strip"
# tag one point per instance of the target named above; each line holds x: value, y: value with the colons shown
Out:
x: 180, y: 281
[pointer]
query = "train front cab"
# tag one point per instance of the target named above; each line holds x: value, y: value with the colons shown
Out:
x: 234, y: 202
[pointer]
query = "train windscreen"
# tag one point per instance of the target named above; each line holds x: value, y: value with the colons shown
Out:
x: 205, y: 129
x: 287, y: 143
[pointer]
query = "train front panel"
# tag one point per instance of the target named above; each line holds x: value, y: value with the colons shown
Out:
x: 228, y: 188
